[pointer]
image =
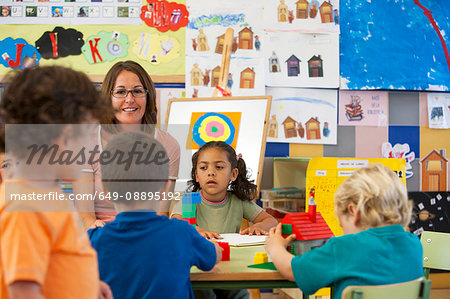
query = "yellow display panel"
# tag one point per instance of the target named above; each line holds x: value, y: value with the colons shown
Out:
x: 326, y: 174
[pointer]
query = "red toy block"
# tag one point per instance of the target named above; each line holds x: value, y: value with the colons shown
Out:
x: 226, y: 250
x: 191, y: 220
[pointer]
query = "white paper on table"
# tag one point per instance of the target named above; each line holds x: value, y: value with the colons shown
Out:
x: 235, y: 239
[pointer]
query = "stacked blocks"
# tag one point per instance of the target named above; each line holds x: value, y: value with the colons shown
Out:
x: 188, y: 202
x: 226, y: 250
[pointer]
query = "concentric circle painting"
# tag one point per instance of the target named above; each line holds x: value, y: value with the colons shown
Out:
x: 213, y: 126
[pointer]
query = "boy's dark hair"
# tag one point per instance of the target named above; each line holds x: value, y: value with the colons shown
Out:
x: 139, y: 178
x: 49, y: 95
x: 242, y: 186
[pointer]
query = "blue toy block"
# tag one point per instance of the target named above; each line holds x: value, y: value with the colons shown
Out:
x: 191, y: 198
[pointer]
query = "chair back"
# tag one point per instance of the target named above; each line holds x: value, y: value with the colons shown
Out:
x: 416, y: 289
x: 436, y: 251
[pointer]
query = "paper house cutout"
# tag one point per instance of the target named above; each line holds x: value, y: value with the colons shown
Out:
x: 312, y: 128
x: 196, y: 75
x: 245, y: 39
x: 434, y: 171
x: 293, y: 66
x: 289, y: 127
x: 301, y: 9
x: 283, y: 13
x: 202, y: 41
x: 215, y: 76
x: 315, y: 66
x: 273, y: 127
x: 247, y: 78
x: 326, y: 12
x: 274, y: 63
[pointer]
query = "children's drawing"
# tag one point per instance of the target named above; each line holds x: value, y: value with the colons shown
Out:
x: 272, y: 127
x: 353, y: 111
x: 18, y: 54
x: 315, y: 66
x: 302, y: 15
x: 156, y: 48
x: 363, y: 108
x: 105, y: 46
x: 205, y: 34
x: 212, y: 126
x: 164, y: 15
x: 434, y: 171
x: 293, y: 66
x: 399, y: 151
x: 439, y: 110
x: 304, y: 116
x: 310, y: 60
x: 412, y: 32
x: 196, y: 75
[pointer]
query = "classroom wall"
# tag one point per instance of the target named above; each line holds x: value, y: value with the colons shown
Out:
x: 407, y: 123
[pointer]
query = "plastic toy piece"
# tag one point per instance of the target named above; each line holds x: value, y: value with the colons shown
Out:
x: 191, y: 198
x: 226, y: 251
x: 267, y: 266
x: 192, y: 221
x: 260, y: 258
x: 310, y: 228
x: 286, y: 229
x: 188, y: 210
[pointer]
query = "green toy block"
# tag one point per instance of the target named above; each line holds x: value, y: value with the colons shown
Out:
x: 286, y: 229
x: 188, y: 208
x: 188, y: 214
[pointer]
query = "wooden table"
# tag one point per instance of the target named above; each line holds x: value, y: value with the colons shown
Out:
x: 235, y: 274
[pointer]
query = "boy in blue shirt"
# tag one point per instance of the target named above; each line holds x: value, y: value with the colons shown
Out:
x: 142, y: 254
x: 373, y: 209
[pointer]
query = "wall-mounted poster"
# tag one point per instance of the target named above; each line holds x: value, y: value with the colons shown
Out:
x: 302, y: 15
x: 310, y: 60
x: 395, y: 44
x: 300, y: 115
x: 363, y: 108
x: 439, y: 110
x: 208, y: 21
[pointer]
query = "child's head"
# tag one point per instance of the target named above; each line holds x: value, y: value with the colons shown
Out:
x: 48, y: 95
x: 377, y: 194
x: 136, y: 168
x: 240, y: 185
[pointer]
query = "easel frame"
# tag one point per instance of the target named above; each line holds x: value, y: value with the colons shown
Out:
x: 197, y: 105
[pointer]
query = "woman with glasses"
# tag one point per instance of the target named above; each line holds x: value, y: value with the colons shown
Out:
x: 132, y: 94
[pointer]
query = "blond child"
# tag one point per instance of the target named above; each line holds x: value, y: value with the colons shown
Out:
x: 373, y: 210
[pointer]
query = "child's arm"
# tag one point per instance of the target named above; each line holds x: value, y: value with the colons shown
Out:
x: 204, y: 232
x: 218, y: 252
x: 25, y: 290
x: 276, y: 248
x: 261, y: 225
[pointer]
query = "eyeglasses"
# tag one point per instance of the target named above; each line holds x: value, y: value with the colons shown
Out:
x: 123, y: 93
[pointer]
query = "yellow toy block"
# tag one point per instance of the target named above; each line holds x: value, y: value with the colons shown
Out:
x: 260, y: 258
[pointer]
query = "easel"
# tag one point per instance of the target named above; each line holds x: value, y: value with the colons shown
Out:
x: 221, y: 88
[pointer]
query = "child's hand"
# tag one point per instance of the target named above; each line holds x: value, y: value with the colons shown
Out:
x: 254, y: 230
x: 275, y: 239
x: 105, y: 291
x: 208, y: 234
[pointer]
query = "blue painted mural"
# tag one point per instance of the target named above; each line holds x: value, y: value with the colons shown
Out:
x: 395, y: 44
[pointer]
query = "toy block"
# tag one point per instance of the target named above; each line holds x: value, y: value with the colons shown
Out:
x: 260, y: 258
x: 188, y: 208
x: 188, y: 214
x: 191, y: 220
x: 226, y: 250
x: 286, y: 229
x: 191, y: 198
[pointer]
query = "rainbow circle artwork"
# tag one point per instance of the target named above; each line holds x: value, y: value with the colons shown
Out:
x: 213, y: 126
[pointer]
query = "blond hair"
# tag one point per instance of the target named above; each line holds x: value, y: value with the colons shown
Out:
x: 378, y: 194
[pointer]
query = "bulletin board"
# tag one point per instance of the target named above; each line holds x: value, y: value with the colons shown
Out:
x: 92, y: 43
x: 326, y: 174
x: 210, y: 119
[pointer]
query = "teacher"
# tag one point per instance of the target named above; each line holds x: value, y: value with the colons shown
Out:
x: 131, y: 92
